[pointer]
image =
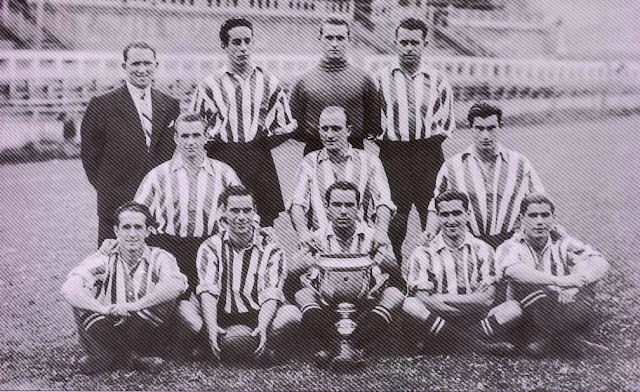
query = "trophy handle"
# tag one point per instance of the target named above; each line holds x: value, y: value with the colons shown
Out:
x: 380, y: 281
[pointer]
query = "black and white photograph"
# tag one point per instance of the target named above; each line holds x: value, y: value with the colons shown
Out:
x: 320, y: 195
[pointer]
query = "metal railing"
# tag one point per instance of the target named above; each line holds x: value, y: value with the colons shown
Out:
x: 47, y: 81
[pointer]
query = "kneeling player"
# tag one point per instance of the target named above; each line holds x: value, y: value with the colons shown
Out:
x: 137, y: 291
x: 345, y: 234
x: 554, y: 279
x: 451, y: 287
x: 240, y: 282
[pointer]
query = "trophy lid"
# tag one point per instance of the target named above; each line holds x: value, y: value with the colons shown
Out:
x: 344, y: 261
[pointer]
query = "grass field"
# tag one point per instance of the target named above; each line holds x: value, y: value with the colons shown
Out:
x: 48, y: 224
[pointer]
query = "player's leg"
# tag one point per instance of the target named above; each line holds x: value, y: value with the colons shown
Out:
x: 187, y: 335
x: 491, y: 333
x: 397, y: 165
x: 142, y: 332
x: 423, y: 328
x: 317, y: 325
x: 105, y: 226
x: 427, y: 159
x: 100, y: 340
x: 373, y: 324
x: 283, y: 331
x: 537, y: 304
x: 265, y: 184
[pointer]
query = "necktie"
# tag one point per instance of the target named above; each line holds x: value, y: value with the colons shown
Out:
x: 145, y: 118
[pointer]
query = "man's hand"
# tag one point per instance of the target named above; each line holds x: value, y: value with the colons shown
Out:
x: 306, y: 240
x: 107, y: 246
x: 573, y: 280
x: 214, y: 333
x: 380, y: 239
x: 286, y: 129
x: 262, y: 332
x: 485, y: 284
x: 567, y: 295
x: 121, y: 310
x: 106, y: 310
x: 426, y: 237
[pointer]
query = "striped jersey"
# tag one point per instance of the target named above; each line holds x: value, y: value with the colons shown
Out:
x: 495, y: 193
x: 439, y: 269
x: 558, y: 258
x: 183, y: 204
x: 317, y: 173
x: 240, y: 110
x: 119, y: 283
x: 242, y: 279
x: 414, y: 107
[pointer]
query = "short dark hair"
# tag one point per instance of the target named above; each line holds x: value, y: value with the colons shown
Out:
x: 343, y: 186
x: 138, y: 45
x: 450, y: 195
x: 484, y: 110
x: 189, y: 118
x: 336, y: 22
x: 413, y: 24
x: 133, y: 206
x: 536, y: 198
x: 230, y: 24
x: 235, y: 190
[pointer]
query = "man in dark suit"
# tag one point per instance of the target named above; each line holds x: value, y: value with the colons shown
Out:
x: 125, y: 133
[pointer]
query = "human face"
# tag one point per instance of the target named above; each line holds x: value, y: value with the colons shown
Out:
x: 485, y: 133
x: 240, y: 211
x: 537, y: 221
x: 140, y: 66
x: 190, y: 139
x: 409, y: 46
x: 335, y: 41
x: 342, y: 209
x: 453, y: 218
x: 132, y: 231
x: 240, y: 46
x: 333, y: 131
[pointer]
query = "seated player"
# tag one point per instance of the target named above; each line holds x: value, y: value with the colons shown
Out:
x: 240, y: 280
x: 451, y: 288
x: 339, y: 161
x: 137, y: 290
x: 554, y: 280
x: 344, y: 233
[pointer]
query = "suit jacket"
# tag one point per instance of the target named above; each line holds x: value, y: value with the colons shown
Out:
x: 113, y: 149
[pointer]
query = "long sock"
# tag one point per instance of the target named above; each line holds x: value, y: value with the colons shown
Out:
x: 372, y: 325
x: 316, y: 325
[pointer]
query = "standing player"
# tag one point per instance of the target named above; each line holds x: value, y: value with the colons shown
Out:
x: 554, y: 280
x: 240, y: 281
x: 245, y: 109
x: 338, y: 161
x: 345, y: 233
x: 494, y: 178
x: 335, y: 82
x: 417, y: 116
x: 137, y: 290
x: 125, y: 133
x: 183, y: 196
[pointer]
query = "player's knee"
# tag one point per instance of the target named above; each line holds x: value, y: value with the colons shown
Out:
x: 392, y: 298
x: 189, y: 316
x: 508, y: 311
x: 288, y: 316
x: 305, y: 296
x: 414, y: 309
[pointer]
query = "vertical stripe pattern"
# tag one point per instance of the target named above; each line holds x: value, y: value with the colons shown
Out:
x: 183, y: 205
x: 494, y: 197
x: 241, y: 110
x: 241, y: 279
x: 415, y: 106
x: 317, y: 173
x: 439, y: 269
